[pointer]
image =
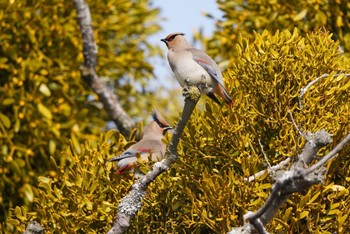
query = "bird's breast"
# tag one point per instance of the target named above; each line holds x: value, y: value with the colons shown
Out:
x: 188, y: 70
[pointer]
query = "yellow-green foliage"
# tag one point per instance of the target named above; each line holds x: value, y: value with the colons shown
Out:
x: 205, y: 191
x: 43, y: 100
x: 243, y: 17
x: 81, y: 196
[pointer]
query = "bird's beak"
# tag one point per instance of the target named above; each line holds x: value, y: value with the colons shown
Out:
x: 163, y: 40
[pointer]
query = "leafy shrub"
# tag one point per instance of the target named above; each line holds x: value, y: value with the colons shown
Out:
x: 246, y: 17
x: 205, y: 191
x: 43, y: 100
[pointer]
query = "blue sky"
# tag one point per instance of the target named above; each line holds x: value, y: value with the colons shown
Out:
x: 186, y: 15
x: 181, y: 16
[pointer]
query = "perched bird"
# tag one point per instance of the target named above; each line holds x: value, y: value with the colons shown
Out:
x: 150, y: 144
x: 194, y: 67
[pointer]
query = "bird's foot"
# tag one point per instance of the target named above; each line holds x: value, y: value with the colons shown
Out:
x: 192, y: 92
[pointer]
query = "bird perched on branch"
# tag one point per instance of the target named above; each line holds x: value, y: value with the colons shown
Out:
x: 150, y: 145
x: 194, y: 67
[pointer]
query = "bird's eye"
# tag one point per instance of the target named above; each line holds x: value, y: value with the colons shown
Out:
x: 172, y: 37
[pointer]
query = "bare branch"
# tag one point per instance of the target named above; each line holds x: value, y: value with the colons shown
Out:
x: 105, y: 94
x: 259, y: 226
x: 307, y: 87
x: 301, y: 132
x: 284, y: 163
x: 271, y: 170
x: 329, y: 156
x: 34, y: 228
x: 247, y: 228
x: 131, y: 204
x: 266, y: 159
x: 297, y: 179
x: 304, y: 90
x: 314, y: 142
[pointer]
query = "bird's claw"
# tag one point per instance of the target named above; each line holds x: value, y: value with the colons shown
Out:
x: 192, y: 92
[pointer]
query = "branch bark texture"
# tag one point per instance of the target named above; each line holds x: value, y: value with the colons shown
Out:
x: 34, y: 228
x: 105, y: 94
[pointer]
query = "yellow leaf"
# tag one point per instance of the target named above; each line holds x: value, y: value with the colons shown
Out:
x: 342, y: 219
x: 314, y: 198
x: 28, y: 191
x: 339, y: 21
x: 303, y: 214
x: 44, y: 111
x: 304, y: 200
x: 52, y: 146
x: 300, y: 15
x: 44, y: 179
x: 75, y: 143
x: 5, y: 120
x: 287, y: 214
x: 18, y: 213
x: 45, y: 90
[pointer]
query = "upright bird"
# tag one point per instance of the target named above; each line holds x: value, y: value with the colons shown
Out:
x: 150, y: 144
x: 194, y: 67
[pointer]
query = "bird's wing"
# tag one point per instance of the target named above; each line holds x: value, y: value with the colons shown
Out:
x: 129, y: 154
x: 207, y: 63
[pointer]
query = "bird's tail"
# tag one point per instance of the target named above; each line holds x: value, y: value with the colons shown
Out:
x: 221, y: 91
x: 228, y: 99
x: 212, y: 97
x: 113, y: 159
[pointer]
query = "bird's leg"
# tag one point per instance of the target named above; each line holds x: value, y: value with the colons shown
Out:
x: 204, y: 79
x: 186, y: 86
x: 191, y: 91
x: 187, y: 82
x: 203, y: 86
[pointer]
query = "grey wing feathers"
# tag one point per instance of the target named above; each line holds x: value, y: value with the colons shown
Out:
x: 207, y: 63
x: 127, y: 154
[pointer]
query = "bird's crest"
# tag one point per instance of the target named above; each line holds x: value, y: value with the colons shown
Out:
x: 159, y: 119
x: 171, y: 36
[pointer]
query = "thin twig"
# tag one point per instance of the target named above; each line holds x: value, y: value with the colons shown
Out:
x: 301, y: 132
x: 298, y: 178
x: 251, y: 216
x: 266, y: 159
x: 304, y: 90
x: 274, y: 168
